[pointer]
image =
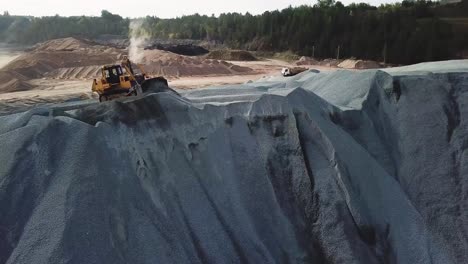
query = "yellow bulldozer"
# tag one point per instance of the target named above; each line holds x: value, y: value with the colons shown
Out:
x: 121, y: 80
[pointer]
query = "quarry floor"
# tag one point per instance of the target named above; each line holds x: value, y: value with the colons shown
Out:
x: 62, y: 90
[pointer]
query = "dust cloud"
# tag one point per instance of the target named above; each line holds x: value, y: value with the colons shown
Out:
x: 138, y: 38
x: 7, y: 54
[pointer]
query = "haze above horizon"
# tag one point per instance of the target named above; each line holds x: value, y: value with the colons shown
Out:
x: 162, y: 9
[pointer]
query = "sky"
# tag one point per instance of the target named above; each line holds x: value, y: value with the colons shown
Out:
x: 159, y: 8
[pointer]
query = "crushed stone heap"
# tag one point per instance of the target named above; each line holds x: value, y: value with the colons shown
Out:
x: 342, y: 167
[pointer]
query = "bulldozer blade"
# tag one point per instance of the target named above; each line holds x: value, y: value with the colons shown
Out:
x: 155, y: 85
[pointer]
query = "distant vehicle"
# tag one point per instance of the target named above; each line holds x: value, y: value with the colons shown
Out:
x: 120, y: 80
x: 286, y: 72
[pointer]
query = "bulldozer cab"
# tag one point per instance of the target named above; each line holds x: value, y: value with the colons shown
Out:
x: 112, y: 74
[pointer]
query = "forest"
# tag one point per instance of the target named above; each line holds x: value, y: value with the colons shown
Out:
x: 400, y: 33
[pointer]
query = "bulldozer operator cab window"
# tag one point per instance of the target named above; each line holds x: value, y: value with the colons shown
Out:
x: 112, y: 75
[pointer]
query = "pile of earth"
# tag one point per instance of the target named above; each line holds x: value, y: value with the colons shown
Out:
x: 345, y: 64
x: 359, y: 64
x: 72, y: 58
x: 67, y: 44
x: 340, y: 167
x: 168, y: 64
x: 11, y: 81
x: 329, y: 62
x: 68, y: 57
x: 181, y: 49
x: 231, y: 55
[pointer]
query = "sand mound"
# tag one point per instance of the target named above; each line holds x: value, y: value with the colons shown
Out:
x: 72, y: 58
x: 231, y: 55
x: 359, y: 64
x: 65, y: 44
x: 330, y: 62
x: 37, y: 64
x: 51, y: 59
x: 85, y: 72
x: 352, y: 167
x: 307, y: 61
x: 12, y: 82
x: 158, y: 62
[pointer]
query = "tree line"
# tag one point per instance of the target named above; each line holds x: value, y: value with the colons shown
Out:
x: 402, y: 33
x: 31, y: 30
